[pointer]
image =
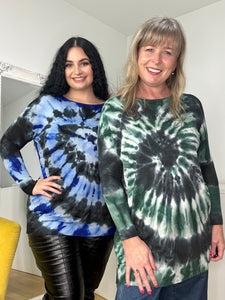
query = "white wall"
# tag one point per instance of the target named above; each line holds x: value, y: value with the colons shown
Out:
x: 10, y: 112
x: 204, y: 68
x: 217, y: 270
x: 32, y: 30
x: 13, y: 207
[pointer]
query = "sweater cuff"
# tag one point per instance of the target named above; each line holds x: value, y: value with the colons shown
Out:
x: 128, y: 233
x: 216, y: 219
x: 28, y: 188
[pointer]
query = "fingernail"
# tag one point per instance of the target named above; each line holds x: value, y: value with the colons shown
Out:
x: 212, y: 254
x: 127, y: 285
x: 155, y: 268
x: 149, y: 292
x: 142, y: 291
x: 156, y: 286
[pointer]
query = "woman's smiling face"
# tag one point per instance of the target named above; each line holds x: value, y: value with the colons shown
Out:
x: 155, y: 64
x: 78, y: 70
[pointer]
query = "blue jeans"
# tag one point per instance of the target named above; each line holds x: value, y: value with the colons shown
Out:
x: 194, y: 288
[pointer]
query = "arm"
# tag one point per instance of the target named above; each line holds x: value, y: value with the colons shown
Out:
x: 218, y: 243
x: 210, y: 177
x: 137, y: 254
x: 15, y: 138
x: 111, y: 171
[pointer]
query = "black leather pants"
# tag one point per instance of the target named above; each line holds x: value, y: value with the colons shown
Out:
x: 72, y: 267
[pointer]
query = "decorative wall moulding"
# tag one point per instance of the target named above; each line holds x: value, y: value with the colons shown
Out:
x: 11, y: 71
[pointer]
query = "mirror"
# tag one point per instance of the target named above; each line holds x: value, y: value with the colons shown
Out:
x: 18, y: 88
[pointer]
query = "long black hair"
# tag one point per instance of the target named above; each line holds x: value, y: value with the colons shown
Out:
x: 56, y: 84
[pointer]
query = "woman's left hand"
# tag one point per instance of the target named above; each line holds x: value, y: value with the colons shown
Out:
x: 45, y: 185
x: 217, y: 243
x: 139, y: 260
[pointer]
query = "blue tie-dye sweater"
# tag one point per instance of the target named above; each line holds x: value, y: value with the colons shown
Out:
x: 65, y: 136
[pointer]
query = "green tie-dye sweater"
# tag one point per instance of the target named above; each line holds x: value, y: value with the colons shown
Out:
x: 159, y: 183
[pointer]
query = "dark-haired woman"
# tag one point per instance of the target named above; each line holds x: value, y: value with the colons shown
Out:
x: 70, y: 230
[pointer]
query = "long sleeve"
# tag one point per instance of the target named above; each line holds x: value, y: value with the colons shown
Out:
x: 14, y: 139
x: 209, y: 173
x: 159, y: 181
x: 111, y: 168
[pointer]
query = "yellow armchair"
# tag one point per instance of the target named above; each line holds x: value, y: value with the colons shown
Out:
x: 9, y: 237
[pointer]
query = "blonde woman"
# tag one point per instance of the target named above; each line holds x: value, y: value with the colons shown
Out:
x: 157, y: 174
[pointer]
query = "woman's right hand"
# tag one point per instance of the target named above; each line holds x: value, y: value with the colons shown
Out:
x: 139, y: 260
x: 44, y: 185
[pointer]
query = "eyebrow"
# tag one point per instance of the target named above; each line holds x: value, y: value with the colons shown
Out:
x: 164, y: 46
x: 83, y: 59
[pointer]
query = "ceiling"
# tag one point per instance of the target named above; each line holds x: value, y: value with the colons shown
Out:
x: 126, y: 16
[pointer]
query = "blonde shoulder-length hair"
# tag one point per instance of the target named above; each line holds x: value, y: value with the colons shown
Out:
x: 154, y: 32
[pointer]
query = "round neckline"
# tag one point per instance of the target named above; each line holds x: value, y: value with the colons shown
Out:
x: 151, y: 100
x: 81, y: 103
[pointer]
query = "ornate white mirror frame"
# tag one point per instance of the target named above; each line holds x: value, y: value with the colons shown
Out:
x: 10, y: 71
x: 9, y: 91
x: 13, y: 204
x: 17, y: 73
